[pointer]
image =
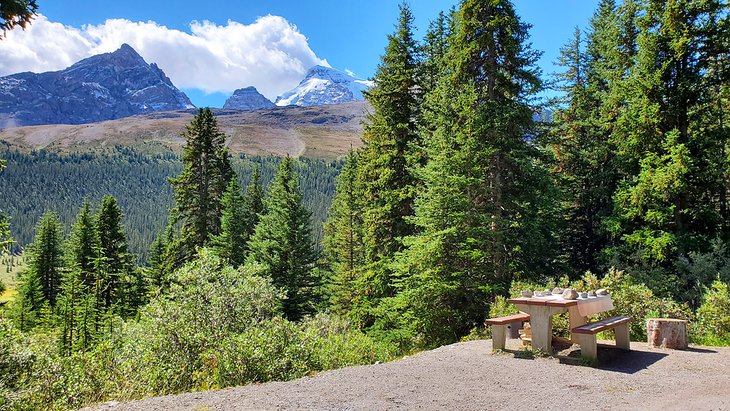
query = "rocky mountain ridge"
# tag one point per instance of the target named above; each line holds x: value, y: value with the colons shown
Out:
x: 102, y: 87
x: 246, y: 99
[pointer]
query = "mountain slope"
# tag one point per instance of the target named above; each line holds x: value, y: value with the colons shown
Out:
x: 102, y: 87
x: 324, y: 85
x: 325, y: 132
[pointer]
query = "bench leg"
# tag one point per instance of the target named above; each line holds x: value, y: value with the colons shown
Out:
x: 588, y: 346
x: 622, y: 336
x: 499, y: 337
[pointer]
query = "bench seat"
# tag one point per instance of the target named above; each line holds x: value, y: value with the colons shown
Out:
x: 586, y: 334
x: 499, y: 328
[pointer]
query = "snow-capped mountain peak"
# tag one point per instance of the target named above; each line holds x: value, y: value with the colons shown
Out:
x: 324, y: 85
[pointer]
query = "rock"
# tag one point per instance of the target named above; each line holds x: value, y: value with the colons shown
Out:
x: 547, y: 292
x: 591, y: 293
x: 558, y: 290
x: 583, y: 294
x: 601, y: 291
x: 570, y: 294
x: 526, y: 293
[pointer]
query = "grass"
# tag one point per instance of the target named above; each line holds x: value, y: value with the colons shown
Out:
x: 10, y: 279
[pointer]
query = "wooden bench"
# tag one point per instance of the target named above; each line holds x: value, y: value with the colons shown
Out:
x: 586, y: 334
x: 499, y: 328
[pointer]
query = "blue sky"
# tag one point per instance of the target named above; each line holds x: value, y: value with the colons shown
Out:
x: 347, y: 34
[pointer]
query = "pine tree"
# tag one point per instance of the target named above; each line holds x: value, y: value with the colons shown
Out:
x: 26, y: 309
x: 433, y: 51
x: 253, y: 203
x: 483, y: 215
x: 230, y: 244
x: 199, y: 188
x: 113, y: 249
x: 83, y: 244
x: 77, y: 314
x: 343, y: 248
x: 282, y: 243
x: 669, y: 207
x: 385, y: 165
x: 45, y: 256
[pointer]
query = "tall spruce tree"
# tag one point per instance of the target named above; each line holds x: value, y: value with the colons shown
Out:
x: 583, y: 150
x: 385, y: 165
x: 77, y: 314
x: 669, y: 208
x: 343, y: 247
x: 230, y: 244
x: 483, y: 215
x: 282, y: 243
x: 253, y: 203
x: 83, y: 245
x: 116, y: 262
x: 28, y: 307
x: 198, y: 190
x: 45, y: 258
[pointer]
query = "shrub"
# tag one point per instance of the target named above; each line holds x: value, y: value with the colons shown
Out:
x: 713, y: 316
x: 216, y: 327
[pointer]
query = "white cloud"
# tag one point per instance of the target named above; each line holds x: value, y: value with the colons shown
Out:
x: 270, y: 53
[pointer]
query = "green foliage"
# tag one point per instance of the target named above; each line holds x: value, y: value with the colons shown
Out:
x: 343, y: 251
x: 230, y: 244
x: 282, y: 244
x: 16, y: 13
x: 5, y: 239
x: 713, y: 317
x: 82, y: 245
x: 27, y: 309
x: 199, y: 188
x: 45, y: 256
x: 43, y: 180
x: 481, y: 211
x: 218, y: 326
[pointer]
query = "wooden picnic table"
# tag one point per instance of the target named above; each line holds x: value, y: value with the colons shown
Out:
x: 542, y: 309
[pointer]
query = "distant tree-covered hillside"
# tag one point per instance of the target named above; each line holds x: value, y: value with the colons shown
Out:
x: 35, y: 182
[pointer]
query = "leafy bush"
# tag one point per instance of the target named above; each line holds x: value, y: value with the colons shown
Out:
x: 635, y: 300
x: 629, y: 298
x: 713, y: 316
x: 216, y: 327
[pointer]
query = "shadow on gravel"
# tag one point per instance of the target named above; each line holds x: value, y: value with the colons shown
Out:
x: 701, y: 350
x: 627, y: 362
x: 613, y: 359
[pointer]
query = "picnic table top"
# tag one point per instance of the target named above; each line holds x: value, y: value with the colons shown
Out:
x: 552, y: 301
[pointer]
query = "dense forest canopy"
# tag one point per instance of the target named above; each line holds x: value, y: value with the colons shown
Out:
x: 42, y: 180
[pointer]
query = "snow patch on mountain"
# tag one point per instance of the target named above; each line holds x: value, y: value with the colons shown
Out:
x: 325, y: 85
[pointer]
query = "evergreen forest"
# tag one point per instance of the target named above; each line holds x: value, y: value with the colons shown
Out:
x: 151, y: 275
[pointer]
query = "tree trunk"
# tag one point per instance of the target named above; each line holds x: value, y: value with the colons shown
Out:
x: 667, y: 333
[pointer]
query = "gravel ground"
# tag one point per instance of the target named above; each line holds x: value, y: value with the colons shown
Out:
x: 467, y: 376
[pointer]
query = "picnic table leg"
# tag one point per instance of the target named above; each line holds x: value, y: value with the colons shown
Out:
x: 499, y: 337
x: 541, y: 321
x: 576, y: 320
